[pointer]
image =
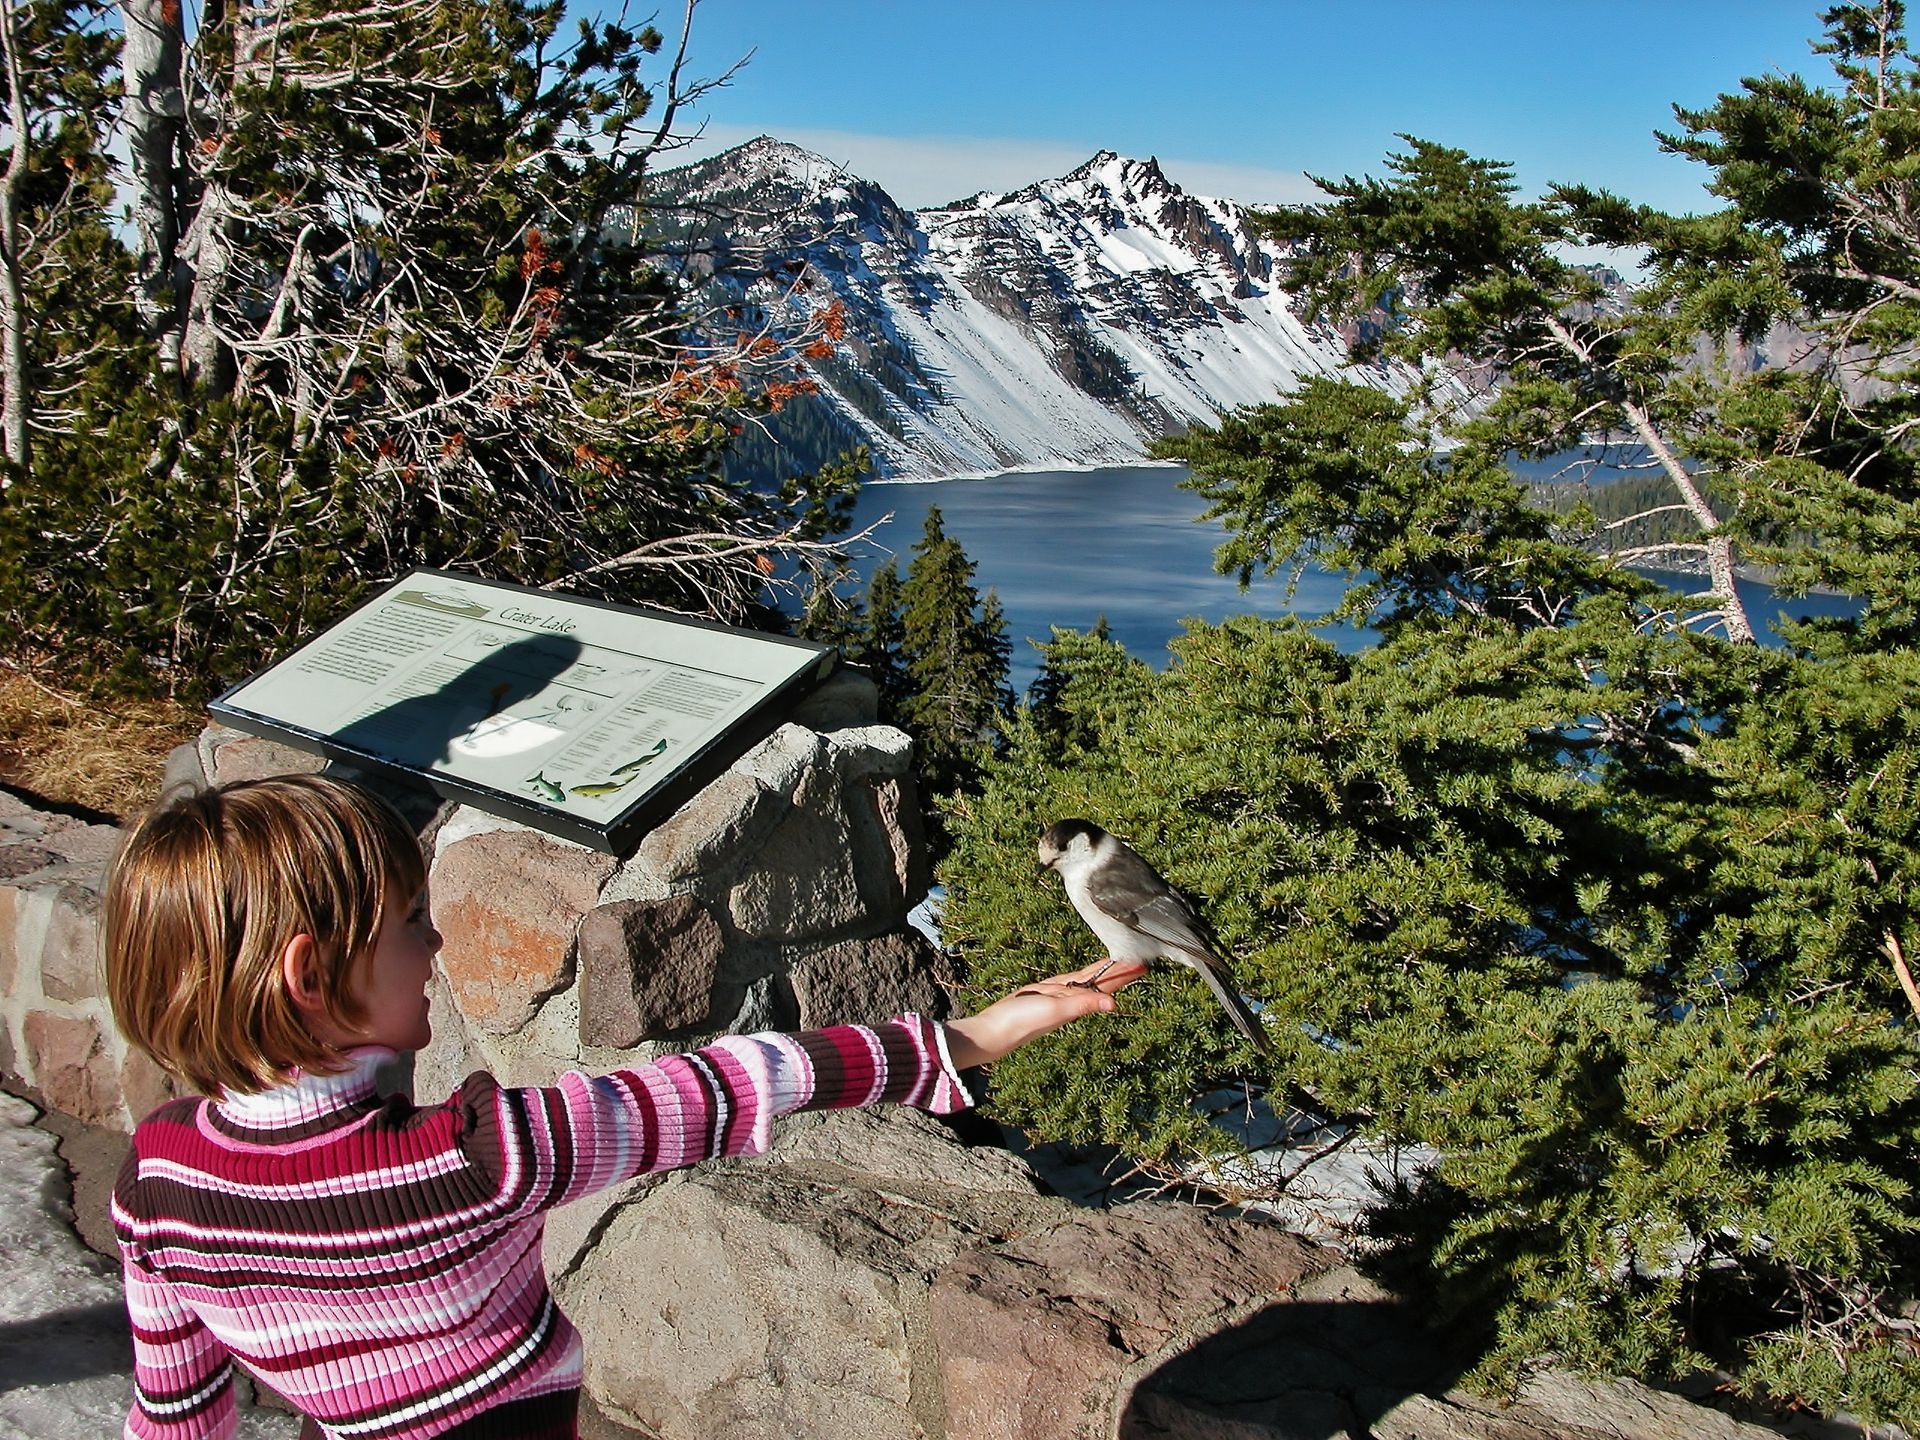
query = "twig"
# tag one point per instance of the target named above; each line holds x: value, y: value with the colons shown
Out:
x: 1899, y: 958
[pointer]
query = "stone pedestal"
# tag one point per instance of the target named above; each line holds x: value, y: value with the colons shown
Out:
x: 775, y: 898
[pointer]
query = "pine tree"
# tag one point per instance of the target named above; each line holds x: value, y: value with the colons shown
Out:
x: 879, y: 646
x: 1612, y: 910
x: 1441, y: 262
x: 63, y: 309
x: 956, y: 660
x: 400, y: 309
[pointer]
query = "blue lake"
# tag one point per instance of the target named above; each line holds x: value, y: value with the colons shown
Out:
x: 1064, y: 547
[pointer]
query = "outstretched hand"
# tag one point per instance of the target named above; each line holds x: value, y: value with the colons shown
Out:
x: 1037, y: 1009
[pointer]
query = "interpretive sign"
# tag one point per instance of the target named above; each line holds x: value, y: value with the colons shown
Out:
x: 582, y: 718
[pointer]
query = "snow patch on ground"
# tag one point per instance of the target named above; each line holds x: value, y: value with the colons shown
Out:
x: 66, y: 1360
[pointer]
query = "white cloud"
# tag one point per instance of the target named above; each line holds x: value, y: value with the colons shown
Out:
x: 926, y: 170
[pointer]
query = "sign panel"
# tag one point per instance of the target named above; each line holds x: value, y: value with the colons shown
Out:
x: 579, y: 717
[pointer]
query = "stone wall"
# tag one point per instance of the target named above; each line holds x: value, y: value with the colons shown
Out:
x: 56, y: 1031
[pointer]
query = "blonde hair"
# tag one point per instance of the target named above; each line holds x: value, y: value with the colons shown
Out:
x: 203, y: 899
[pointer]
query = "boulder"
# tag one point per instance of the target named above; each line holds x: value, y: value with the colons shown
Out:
x: 1038, y: 1337
x: 647, y: 969
x: 23, y: 858
x: 712, y: 831
x: 509, y: 903
x: 144, y: 1086
x: 9, y: 938
x: 860, y: 981
x: 780, y: 761
x: 1325, y: 1358
x: 227, y: 756
x: 70, y: 954
x: 788, y: 1296
x: 802, y: 883
x: 184, y: 770
x: 1559, y: 1406
x: 905, y: 1152
x: 1339, y: 1356
x: 847, y: 698
x: 73, y: 1068
x: 86, y: 847
x: 889, y: 844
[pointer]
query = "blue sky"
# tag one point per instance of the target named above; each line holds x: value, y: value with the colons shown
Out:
x: 935, y: 99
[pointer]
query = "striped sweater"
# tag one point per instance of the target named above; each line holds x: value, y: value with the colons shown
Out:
x: 378, y: 1263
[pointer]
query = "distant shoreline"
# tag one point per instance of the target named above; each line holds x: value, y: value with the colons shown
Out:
x: 1077, y: 467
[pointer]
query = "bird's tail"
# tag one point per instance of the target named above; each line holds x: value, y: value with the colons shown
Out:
x: 1220, y: 981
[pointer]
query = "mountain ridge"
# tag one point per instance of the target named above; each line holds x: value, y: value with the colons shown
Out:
x: 1064, y: 324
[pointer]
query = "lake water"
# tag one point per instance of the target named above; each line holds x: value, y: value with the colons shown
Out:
x: 1064, y: 547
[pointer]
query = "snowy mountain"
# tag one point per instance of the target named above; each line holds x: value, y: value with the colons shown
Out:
x: 1064, y: 324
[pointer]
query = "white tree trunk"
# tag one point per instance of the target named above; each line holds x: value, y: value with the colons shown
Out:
x: 152, y: 53
x: 14, y: 432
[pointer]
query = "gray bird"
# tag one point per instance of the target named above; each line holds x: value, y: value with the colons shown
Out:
x: 1136, y: 914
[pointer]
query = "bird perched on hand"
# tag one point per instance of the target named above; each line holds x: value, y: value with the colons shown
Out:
x: 1137, y: 915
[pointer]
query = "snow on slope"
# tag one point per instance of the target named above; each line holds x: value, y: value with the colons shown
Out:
x: 1068, y: 323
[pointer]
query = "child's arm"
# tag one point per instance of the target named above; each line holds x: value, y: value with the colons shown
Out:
x: 182, y: 1376
x: 557, y: 1143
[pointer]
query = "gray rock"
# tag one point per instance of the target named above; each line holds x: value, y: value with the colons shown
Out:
x: 1555, y: 1405
x: 451, y: 1055
x: 19, y: 820
x: 882, y: 751
x: 860, y: 981
x: 88, y: 847
x: 23, y: 861
x: 647, y: 968
x: 847, y: 698
x: 183, y: 770
x: 1040, y: 1337
x: 802, y: 884
x: 899, y: 1149
x: 781, y: 760
x: 509, y: 903
x: 9, y: 941
x: 777, y: 1297
x: 889, y: 845
x: 227, y: 756
x: 73, y: 1068
x: 712, y: 831
x: 70, y: 956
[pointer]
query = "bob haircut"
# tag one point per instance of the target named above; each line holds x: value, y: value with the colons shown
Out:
x: 204, y: 897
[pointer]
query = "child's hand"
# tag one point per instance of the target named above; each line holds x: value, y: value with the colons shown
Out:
x: 1035, y: 1010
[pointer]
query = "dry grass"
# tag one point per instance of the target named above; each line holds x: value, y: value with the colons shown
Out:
x: 105, y: 758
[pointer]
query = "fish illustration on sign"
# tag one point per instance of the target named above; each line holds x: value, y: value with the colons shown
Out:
x: 659, y: 749
x: 616, y: 781
x: 597, y: 789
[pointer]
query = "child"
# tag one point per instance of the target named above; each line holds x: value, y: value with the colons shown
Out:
x: 378, y: 1262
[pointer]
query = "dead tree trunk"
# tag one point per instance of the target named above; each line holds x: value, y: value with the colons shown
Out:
x: 13, y: 319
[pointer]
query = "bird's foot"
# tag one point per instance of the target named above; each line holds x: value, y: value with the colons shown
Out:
x: 1092, y: 982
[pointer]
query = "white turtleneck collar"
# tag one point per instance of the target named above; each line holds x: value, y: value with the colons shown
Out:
x: 310, y: 1096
